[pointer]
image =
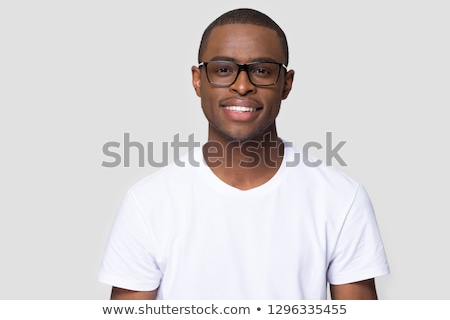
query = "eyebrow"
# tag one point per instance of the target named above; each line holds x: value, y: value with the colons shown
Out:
x: 259, y: 59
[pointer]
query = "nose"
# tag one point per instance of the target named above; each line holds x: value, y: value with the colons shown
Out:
x: 243, y: 85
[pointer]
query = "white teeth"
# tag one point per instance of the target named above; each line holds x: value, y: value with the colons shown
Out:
x: 240, y: 109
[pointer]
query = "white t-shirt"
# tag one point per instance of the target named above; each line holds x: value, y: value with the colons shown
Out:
x: 186, y: 232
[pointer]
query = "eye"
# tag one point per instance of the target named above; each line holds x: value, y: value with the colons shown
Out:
x: 224, y: 70
x: 261, y: 71
x: 221, y: 69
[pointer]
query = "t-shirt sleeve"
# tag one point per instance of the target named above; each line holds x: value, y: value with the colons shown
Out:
x: 359, y: 252
x: 129, y: 261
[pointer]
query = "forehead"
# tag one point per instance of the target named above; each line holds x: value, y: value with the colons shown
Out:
x: 243, y: 43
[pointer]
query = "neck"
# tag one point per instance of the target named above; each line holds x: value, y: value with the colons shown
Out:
x: 244, y: 164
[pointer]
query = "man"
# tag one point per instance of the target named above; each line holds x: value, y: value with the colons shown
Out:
x: 244, y: 220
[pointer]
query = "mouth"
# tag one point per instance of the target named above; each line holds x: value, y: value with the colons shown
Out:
x: 241, y: 109
x: 241, y: 112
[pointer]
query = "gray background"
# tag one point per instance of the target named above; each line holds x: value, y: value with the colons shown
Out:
x: 77, y: 74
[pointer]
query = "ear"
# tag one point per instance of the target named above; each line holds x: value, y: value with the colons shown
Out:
x: 288, y: 80
x: 196, y: 80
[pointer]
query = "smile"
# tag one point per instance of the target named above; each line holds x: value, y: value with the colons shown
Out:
x: 240, y: 109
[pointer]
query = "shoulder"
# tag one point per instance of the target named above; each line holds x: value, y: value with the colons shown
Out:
x: 177, y: 174
x: 329, y: 192
x: 316, y: 174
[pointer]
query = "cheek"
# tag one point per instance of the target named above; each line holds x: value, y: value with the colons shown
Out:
x: 211, y: 96
x: 273, y: 99
x: 209, y: 103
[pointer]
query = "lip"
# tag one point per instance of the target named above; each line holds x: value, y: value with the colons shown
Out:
x: 241, y: 110
x: 241, y: 103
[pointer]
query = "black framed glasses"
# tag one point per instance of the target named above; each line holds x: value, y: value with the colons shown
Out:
x: 225, y: 73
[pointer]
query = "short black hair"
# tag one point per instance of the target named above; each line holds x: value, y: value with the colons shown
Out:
x: 244, y: 16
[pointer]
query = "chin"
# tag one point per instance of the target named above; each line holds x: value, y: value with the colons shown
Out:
x: 257, y: 136
x: 242, y: 136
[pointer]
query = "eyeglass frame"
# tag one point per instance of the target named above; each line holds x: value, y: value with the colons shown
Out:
x: 241, y: 67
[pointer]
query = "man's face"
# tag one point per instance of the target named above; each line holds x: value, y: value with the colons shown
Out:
x: 242, y: 43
